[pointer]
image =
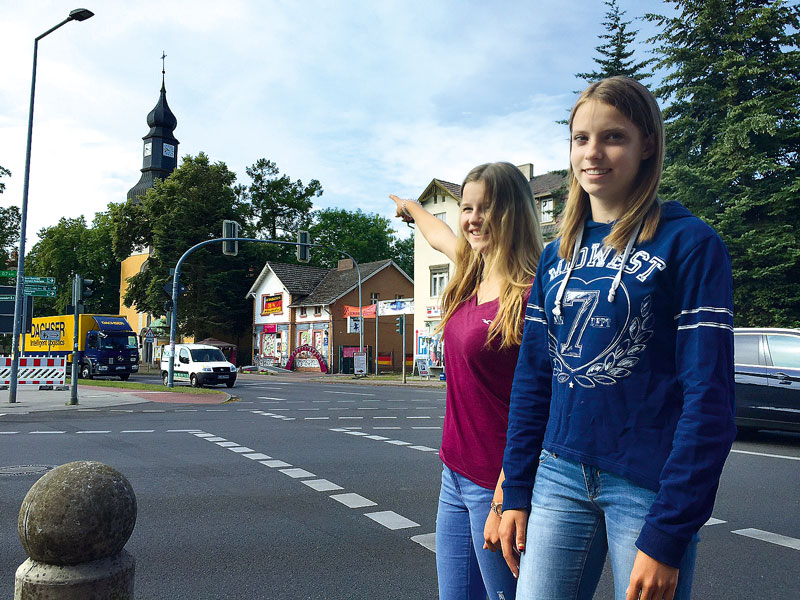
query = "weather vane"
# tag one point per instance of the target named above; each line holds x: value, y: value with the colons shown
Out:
x: 163, y: 56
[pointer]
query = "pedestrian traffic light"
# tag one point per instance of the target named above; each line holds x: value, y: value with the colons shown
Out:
x: 230, y: 229
x: 87, y: 288
x: 400, y: 323
x: 303, y: 250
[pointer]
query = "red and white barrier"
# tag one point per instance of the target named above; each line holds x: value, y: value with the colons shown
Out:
x: 35, y: 370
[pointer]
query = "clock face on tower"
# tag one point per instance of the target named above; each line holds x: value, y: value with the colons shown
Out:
x: 148, y: 148
x: 169, y: 150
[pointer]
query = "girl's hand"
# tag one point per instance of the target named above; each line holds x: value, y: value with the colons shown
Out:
x: 400, y: 213
x: 653, y: 579
x: 491, y: 532
x: 513, y: 532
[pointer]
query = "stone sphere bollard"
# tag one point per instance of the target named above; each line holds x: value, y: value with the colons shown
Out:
x: 74, y: 523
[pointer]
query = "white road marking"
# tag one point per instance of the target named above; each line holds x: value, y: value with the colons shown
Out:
x: 153, y: 411
x: 322, y: 485
x: 215, y: 439
x: 339, y: 429
x: 241, y: 449
x: 98, y: 431
x: 713, y: 521
x: 351, y: 500
x: 227, y: 444
x: 274, y: 464
x: 307, y: 409
x: 320, y: 401
x: 297, y: 473
x: 216, y: 410
x: 195, y: 431
x: 177, y: 410
x: 204, y: 435
x: 398, y: 443
x: 379, y: 438
x: 367, y: 408
x: 137, y: 431
x: 121, y: 410
x: 391, y: 520
x: 772, y: 538
x: 423, y: 448
x: 384, y: 417
x: 431, y: 427
x: 355, y: 432
x: 426, y: 540
x: 48, y: 432
x: 257, y: 456
x: 346, y: 401
x: 348, y: 393
x: 316, y: 418
x: 269, y: 398
x: 349, y: 417
x: 425, y: 417
x: 387, y: 428
x: 8, y: 432
x: 765, y: 454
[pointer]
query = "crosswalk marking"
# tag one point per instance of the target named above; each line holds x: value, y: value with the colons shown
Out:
x: 391, y: 520
x: 322, y: 485
x: 297, y: 473
x: 351, y: 500
x: 426, y: 540
x: 772, y: 538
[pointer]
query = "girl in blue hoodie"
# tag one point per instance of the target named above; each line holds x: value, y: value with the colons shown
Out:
x: 618, y: 432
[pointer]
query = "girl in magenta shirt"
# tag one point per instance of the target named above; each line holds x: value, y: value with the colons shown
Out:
x: 495, y: 253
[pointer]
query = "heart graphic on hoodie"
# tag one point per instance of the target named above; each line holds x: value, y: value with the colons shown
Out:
x: 590, y: 327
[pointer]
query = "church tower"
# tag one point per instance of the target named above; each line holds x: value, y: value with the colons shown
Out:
x: 159, y: 159
x: 160, y: 150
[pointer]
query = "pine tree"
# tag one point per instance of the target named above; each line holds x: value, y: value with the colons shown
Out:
x: 616, y: 53
x: 733, y: 140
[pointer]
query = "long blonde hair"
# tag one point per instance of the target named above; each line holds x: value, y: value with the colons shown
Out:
x: 636, y: 102
x: 515, y: 242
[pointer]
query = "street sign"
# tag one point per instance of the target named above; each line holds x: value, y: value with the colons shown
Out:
x: 50, y: 335
x: 7, y: 298
x: 39, y: 286
x: 12, y: 273
x: 41, y: 293
x: 40, y: 280
x: 168, y: 289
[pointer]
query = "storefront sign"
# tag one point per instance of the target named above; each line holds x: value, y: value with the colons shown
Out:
x: 271, y: 304
x: 270, y: 328
x: 433, y: 312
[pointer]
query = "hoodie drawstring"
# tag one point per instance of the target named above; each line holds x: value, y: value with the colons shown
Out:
x: 628, y: 247
x: 574, y: 260
x: 576, y: 249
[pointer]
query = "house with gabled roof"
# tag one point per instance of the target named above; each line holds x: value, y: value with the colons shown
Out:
x: 303, y: 307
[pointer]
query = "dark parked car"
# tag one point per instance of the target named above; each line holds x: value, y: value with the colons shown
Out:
x: 767, y: 378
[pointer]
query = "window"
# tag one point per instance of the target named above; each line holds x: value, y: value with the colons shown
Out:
x: 374, y: 297
x: 441, y: 216
x: 785, y: 351
x: 302, y: 311
x: 317, y: 311
x: 547, y: 210
x: 398, y: 296
x: 746, y: 349
x: 439, y: 278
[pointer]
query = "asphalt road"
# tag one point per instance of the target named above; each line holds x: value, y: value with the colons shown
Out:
x: 316, y: 490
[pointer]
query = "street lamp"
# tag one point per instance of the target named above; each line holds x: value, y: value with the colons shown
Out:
x: 79, y: 14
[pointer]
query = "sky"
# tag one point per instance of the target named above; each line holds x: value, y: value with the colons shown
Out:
x: 369, y: 97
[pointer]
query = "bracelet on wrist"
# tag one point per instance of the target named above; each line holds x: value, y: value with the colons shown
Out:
x: 403, y: 206
x: 497, y: 508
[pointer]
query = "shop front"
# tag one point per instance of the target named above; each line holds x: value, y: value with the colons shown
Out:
x: 272, y: 344
x: 317, y: 336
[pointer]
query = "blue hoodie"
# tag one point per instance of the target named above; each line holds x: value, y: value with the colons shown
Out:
x: 626, y: 365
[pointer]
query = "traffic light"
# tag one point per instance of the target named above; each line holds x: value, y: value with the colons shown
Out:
x: 168, y: 306
x: 230, y: 229
x: 303, y: 250
x: 400, y: 323
x: 87, y: 288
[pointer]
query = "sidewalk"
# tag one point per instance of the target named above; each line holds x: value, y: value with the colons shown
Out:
x: 34, y: 400
x: 316, y: 377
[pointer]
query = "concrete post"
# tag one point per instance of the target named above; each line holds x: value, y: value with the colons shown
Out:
x: 73, y: 524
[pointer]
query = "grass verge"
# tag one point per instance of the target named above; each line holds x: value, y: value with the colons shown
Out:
x: 152, y: 387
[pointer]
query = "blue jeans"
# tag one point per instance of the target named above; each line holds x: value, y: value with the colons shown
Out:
x: 578, y: 515
x: 467, y: 571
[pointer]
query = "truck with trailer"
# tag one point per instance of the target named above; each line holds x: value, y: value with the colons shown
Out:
x: 107, y: 346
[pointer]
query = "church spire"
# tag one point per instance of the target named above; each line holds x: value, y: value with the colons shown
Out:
x: 160, y: 146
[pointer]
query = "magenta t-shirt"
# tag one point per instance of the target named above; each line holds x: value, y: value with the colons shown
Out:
x: 478, y: 390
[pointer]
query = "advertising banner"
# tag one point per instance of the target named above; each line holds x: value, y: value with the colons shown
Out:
x: 271, y: 304
x: 352, y: 311
x: 395, y: 307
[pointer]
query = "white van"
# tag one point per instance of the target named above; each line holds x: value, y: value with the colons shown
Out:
x: 198, y: 365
